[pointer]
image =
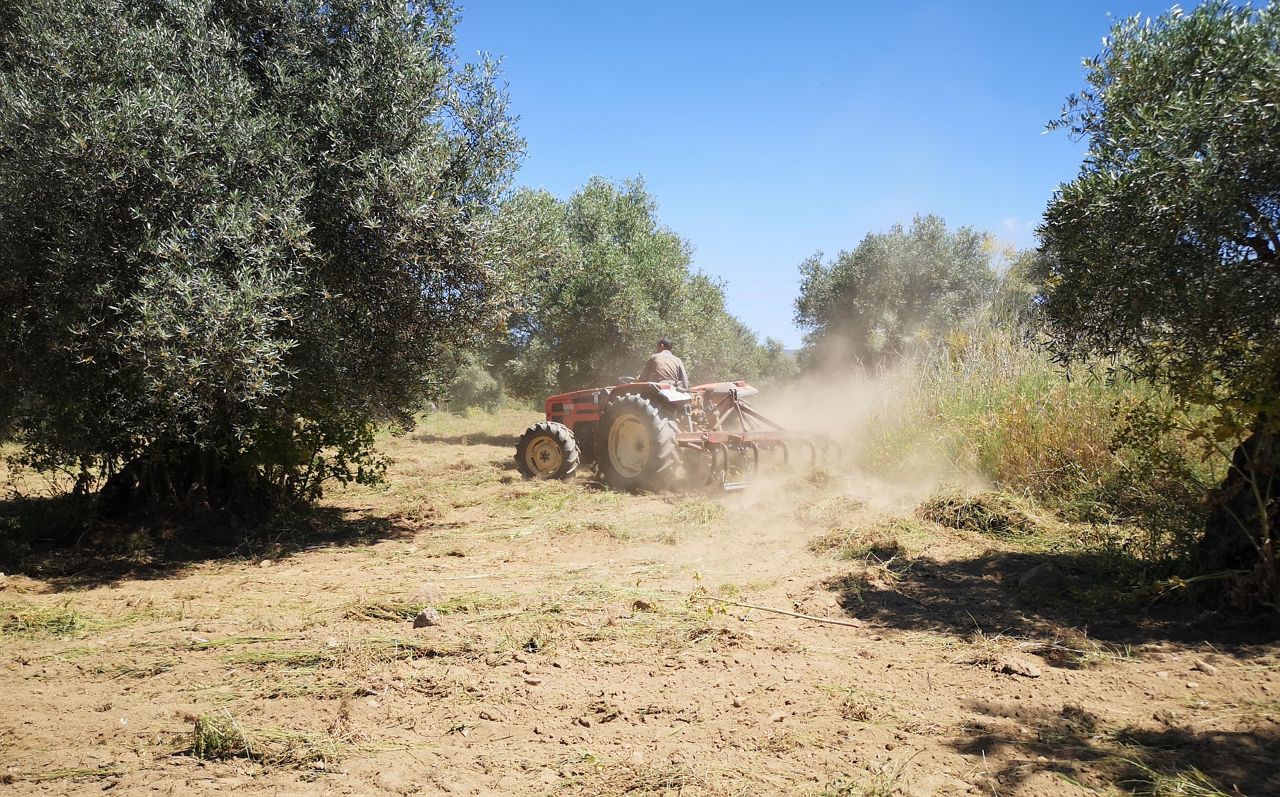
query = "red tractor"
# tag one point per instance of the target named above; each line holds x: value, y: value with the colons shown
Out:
x: 657, y: 436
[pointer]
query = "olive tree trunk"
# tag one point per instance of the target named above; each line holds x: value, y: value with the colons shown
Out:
x: 1240, y: 533
x: 192, y: 479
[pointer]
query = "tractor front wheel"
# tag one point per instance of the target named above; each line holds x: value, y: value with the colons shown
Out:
x: 636, y: 448
x: 547, y: 450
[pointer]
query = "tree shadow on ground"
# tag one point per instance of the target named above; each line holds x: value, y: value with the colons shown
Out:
x: 500, y: 440
x: 1153, y: 760
x: 60, y: 541
x: 982, y: 595
x: 1096, y: 604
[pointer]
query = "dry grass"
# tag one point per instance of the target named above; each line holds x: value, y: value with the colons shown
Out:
x: 394, y: 610
x: 882, y: 540
x: 67, y: 773
x: 696, y: 513
x: 220, y: 736
x: 631, y: 780
x: 1189, y: 782
x: 832, y: 510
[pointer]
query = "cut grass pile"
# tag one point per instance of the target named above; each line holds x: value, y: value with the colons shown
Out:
x: 27, y: 620
x: 882, y: 540
x: 220, y: 736
x: 697, y: 513
x: 990, y: 513
x: 400, y: 610
x: 830, y: 511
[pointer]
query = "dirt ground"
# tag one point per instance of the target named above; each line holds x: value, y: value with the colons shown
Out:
x: 596, y: 643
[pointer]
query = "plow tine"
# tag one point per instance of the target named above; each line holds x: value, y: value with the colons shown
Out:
x: 733, y: 487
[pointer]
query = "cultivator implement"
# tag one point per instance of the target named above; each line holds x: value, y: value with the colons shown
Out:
x: 734, y: 435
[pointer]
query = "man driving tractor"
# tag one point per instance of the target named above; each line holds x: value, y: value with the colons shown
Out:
x: 664, y: 366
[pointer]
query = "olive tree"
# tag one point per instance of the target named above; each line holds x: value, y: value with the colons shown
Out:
x: 234, y: 234
x: 595, y: 281
x: 872, y: 303
x: 1164, y: 253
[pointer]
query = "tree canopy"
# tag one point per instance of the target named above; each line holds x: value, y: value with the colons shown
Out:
x: 1165, y: 247
x: 894, y: 287
x: 235, y: 233
x: 596, y: 280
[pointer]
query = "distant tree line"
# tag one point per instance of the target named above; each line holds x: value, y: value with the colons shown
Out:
x: 892, y: 291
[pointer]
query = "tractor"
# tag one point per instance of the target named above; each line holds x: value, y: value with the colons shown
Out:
x: 657, y: 436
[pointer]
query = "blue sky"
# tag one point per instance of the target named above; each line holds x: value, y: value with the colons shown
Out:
x: 768, y: 131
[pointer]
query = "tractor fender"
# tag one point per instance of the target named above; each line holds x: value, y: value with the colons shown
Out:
x: 661, y: 391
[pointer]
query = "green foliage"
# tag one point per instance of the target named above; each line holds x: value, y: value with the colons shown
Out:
x: 596, y: 280
x: 1016, y: 303
x: 892, y: 290
x: 1164, y: 248
x: 243, y: 229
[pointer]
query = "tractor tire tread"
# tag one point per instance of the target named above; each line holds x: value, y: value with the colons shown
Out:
x: 563, y: 436
x: 665, y: 470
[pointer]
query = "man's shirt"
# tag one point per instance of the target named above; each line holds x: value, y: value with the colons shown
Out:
x: 664, y: 366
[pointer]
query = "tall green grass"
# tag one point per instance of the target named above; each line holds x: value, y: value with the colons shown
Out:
x: 987, y: 400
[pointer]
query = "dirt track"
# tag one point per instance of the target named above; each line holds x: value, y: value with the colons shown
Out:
x: 577, y: 653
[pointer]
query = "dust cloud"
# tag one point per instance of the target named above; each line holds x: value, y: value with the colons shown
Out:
x: 890, y: 456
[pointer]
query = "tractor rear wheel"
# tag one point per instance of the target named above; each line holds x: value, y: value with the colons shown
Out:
x: 636, y: 448
x: 547, y: 450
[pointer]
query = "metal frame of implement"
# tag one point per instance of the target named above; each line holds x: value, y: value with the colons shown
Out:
x: 755, y: 432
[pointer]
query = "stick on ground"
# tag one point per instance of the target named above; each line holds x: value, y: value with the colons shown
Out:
x: 828, y: 620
